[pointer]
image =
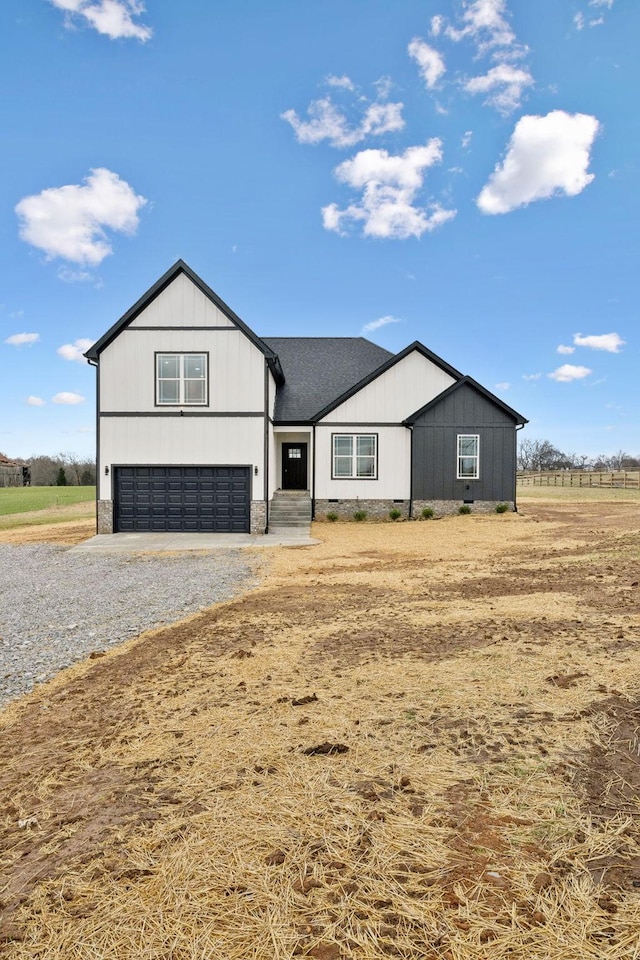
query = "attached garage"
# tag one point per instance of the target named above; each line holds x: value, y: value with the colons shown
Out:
x: 186, y: 499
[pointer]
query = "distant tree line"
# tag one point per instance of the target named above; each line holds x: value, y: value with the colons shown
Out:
x: 542, y: 455
x: 62, y: 470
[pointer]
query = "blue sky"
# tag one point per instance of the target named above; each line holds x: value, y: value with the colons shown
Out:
x: 460, y: 172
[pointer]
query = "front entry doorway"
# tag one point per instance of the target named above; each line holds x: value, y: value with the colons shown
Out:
x: 294, y: 466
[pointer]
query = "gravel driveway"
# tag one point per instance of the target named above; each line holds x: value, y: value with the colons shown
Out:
x: 57, y: 607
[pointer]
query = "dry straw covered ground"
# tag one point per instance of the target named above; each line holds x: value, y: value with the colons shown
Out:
x: 415, y: 740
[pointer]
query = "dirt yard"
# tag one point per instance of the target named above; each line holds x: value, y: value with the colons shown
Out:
x: 415, y: 740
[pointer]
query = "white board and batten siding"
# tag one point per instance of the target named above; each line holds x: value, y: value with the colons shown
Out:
x: 188, y: 441
x: 127, y: 364
x: 181, y: 304
x: 235, y: 372
x: 389, y: 399
x: 236, y: 385
x: 393, y: 467
x: 395, y: 394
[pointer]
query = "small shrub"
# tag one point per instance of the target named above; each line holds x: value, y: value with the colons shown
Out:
x: 465, y: 508
x: 502, y: 508
x: 395, y: 514
x: 360, y: 515
x: 427, y: 513
x: 332, y: 517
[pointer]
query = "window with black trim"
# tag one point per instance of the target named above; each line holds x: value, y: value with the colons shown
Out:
x: 181, y: 379
x: 468, y: 456
x: 355, y: 456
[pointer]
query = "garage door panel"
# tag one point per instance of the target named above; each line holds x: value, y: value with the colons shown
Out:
x: 192, y: 499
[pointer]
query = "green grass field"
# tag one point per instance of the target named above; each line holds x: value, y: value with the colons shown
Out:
x: 577, y: 494
x: 31, y: 499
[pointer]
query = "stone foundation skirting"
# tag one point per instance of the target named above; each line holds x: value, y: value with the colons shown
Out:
x: 446, y: 508
x: 374, y: 509
x: 258, y: 516
x: 379, y: 509
x: 105, y: 516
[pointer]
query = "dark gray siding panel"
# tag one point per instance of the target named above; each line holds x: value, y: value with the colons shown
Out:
x: 435, y: 449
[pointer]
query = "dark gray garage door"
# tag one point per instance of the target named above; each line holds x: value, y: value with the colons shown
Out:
x: 213, y: 499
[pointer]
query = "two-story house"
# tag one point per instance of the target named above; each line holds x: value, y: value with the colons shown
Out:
x: 201, y: 423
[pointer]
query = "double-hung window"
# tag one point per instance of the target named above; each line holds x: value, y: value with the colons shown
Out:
x: 468, y: 456
x: 181, y: 379
x: 355, y: 456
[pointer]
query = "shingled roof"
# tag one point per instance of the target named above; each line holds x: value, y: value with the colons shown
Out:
x: 317, y: 370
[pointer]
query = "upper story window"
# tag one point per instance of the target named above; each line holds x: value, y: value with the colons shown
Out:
x: 355, y: 456
x: 468, y: 456
x: 181, y: 378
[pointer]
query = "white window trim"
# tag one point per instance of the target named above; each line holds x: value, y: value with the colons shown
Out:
x: 182, y: 401
x: 354, y: 456
x: 476, y: 456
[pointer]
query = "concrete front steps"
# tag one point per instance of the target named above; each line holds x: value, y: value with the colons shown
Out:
x: 290, y: 508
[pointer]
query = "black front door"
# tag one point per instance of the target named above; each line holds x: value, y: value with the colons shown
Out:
x: 294, y: 466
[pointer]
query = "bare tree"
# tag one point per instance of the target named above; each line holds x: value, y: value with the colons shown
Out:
x: 78, y: 471
x: 540, y: 455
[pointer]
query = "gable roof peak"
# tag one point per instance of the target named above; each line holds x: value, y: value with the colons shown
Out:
x: 181, y: 267
x: 468, y: 381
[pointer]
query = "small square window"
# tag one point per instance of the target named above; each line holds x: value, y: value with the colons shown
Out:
x: 355, y: 456
x: 181, y: 379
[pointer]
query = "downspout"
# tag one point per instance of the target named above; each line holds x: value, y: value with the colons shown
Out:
x: 94, y: 363
x: 313, y: 475
x: 266, y: 446
x: 515, y: 485
x: 410, y: 429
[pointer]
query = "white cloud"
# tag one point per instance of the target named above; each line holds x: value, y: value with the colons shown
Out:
x: 545, y: 156
x: 485, y: 23
x: 67, y: 275
x: 580, y: 20
x: 389, y: 185
x: 504, y: 84
x: 328, y: 122
x: 113, y: 18
x: 75, y: 350
x: 466, y: 139
x: 562, y: 348
x: 35, y: 401
x: 610, y: 342
x: 20, y: 339
x: 430, y: 62
x: 531, y: 376
x: 382, y: 322
x: 568, y: 372
x: 503, y: 386
x: 437, y: 23
x: 384, y: 86
x: 68, y: 398
x: 70, y: 221
x: 344, y: 82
